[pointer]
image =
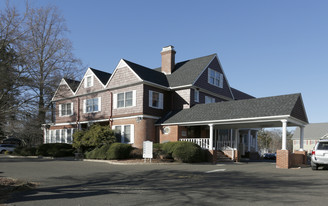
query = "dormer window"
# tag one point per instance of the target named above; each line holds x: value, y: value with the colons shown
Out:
x: 88, y: 81
x: 155, y: 100
x: 215, y: 78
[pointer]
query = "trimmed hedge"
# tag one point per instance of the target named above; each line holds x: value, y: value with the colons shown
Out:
x: 187, y: 152
x: 110, y: 152
x: 55, y: 150
x: 119, y: 151
x: 25, y: 151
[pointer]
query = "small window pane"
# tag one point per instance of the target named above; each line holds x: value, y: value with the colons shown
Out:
x: 69, y: 136
x: 62, y: 139
x: 118, y: 133
x: 57, y: 136
x: 68, y: 109
x: 155, y: 102
x: 120, y: 100
x: 128, y: 99
x: 127, y: 133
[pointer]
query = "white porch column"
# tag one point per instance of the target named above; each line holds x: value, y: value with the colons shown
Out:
x: 236, y: 138
x: 256, y: 148
x: 301, y: 138
x: 211, y: 137
x: 249, y: 140
x: 284, y: 132
x: 231, y: 137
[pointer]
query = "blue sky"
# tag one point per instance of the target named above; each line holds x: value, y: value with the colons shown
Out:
x: 266, y: 48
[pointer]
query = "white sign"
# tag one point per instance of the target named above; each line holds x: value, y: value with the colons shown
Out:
x: 147, y: 149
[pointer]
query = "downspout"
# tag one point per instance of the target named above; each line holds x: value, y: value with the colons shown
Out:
x: 78, y: 114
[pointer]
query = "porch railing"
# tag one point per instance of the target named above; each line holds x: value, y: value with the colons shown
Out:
x: 202, y: 142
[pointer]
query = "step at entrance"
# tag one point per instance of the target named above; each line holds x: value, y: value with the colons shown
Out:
x: 221, y: 157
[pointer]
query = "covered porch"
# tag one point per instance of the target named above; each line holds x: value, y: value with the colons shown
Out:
x: 232, y: 126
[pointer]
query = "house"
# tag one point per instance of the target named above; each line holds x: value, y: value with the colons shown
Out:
x: 185, y: 101
x: 312, y: 133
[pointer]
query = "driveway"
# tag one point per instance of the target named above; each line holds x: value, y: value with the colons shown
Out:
x: 64, y: 182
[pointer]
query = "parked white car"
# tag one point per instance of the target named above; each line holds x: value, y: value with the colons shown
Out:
x: 7, y: 147
x: 320, y: 154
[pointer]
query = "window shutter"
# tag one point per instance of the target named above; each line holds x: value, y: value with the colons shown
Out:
x: 134, y: 98
x: 161, y: 101
x: 60, y: 110
x: 99, y: 104
x: 84, y: 106
x: 114, y: 101
x: 208, y: 75
x: 92, y: 80
x: 72, y: 111
x: 132, y: 133
x: 85, y: 82
x: 150, y: 98
x: 221, y: 81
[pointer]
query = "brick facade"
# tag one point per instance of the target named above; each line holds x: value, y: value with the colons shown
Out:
x: 283, y: 159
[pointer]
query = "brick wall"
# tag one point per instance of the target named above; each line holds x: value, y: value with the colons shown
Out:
x: 143, y: 130
x: 283, y: 159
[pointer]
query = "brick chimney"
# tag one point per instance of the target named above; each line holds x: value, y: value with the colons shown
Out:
x: 168, y: 59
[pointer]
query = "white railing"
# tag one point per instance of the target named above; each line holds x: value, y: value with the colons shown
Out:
x: 229, y: 151
x: 202, y: 142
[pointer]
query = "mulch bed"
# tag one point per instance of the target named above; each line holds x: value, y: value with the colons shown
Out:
x: 10, y: 185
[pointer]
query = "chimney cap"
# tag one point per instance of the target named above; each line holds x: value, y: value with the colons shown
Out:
x: 168, y: 48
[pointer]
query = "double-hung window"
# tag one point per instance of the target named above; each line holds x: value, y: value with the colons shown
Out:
x: 155, y: 99
x: 92, y: 105
x: 125, y: 99
x: 209, y: 99
x: 66, y: 109
x: 88, y: 81
x: 215, y: 78
x: 124, y: 133
x: 196, y: 95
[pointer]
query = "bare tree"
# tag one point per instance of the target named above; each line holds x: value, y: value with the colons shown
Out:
x: 43, y: 55
x: 47, y: 57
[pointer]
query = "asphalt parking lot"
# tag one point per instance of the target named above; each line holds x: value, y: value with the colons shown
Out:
x: 68, y: 182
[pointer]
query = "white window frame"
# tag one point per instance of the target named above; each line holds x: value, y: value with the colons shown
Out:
x: 123, y: 132
x: 217, y: 79
x: 86, y: 82
x: 85, y: 105
x: 196, y: 95
x: 61, y: 106
x: 134, y: 99
x: 209, y: 100
x: 160, y: 100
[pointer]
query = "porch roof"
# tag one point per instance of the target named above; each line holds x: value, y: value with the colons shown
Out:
x: 248, y: 113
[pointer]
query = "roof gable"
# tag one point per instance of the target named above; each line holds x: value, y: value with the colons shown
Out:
x: 186, y: 72
x: 64, y: 89
x: 148, y: 74
x: 100, y: 76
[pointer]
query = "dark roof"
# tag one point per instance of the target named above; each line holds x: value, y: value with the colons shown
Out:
x: 184, y: 73
x: 312, y: 131
x: 235, y: 109
x: 102, y: 76
x: 187, y: 72
x: 237, y: 94
x: 148, y: 74
x: 73, y: 84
